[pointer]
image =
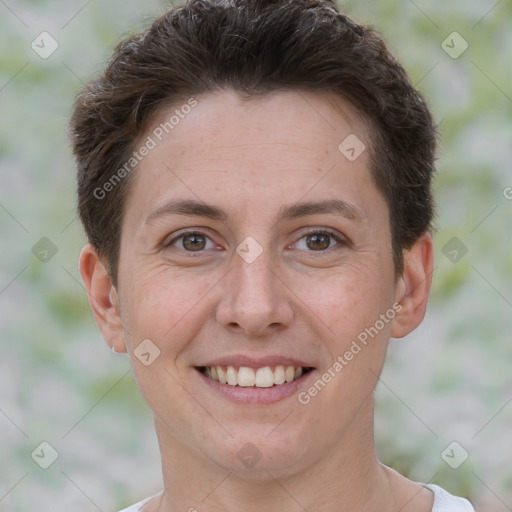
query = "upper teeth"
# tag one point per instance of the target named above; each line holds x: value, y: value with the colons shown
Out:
x: 259, y: 377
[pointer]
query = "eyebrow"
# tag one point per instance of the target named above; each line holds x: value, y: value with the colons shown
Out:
x: 195, y: 208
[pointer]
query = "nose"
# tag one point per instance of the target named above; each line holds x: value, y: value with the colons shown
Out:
x: 255, y: 298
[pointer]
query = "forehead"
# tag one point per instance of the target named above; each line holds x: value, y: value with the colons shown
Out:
x: 307, y: 115
x: 292, y: 143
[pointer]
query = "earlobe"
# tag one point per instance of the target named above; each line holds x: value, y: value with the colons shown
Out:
x: 102, y: 297
x: 413, y: 286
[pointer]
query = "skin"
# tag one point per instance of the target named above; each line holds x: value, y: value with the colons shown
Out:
x: 251, y: 158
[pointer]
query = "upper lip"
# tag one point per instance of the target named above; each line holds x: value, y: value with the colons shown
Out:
x: 256, y: 362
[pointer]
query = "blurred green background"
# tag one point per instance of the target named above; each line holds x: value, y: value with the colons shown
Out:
x: 448, y: 381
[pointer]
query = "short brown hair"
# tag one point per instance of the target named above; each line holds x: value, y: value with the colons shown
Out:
x: 253, y: 47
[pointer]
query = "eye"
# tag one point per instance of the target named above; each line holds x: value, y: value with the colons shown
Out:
x: 319, y: 240
x: 192, y: 241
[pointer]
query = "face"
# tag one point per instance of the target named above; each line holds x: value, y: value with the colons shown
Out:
x: 251, y: 240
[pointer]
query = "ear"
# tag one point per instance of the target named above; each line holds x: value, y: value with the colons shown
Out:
x: 102, y: 297
x: 413, y: 286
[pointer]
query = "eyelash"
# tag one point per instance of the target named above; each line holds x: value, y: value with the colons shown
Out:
x: 341, y: 241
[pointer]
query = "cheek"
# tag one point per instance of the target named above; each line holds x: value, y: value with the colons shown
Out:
x: 348, y: 302
x: 357, y: 340
x: 166, y: 306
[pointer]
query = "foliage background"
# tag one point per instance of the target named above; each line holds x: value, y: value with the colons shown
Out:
x: 449, y: 381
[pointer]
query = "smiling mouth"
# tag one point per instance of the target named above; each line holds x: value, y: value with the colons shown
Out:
x: 245, y: 376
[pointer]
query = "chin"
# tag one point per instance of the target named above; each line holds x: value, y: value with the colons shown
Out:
x: 255, y: 456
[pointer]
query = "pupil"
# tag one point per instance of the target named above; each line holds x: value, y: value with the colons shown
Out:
x: 319, y: 242
x: 194, y: 242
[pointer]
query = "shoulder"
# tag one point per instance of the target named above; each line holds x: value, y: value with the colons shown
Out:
x: 443, y: 502
x: 136, y: 507
x: 446, y: 502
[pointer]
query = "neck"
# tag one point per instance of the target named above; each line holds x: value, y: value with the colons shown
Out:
x: 345, y: 478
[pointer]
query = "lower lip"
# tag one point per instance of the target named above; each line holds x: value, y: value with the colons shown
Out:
x: 254, y: 395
